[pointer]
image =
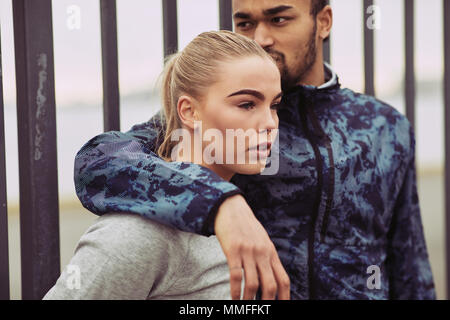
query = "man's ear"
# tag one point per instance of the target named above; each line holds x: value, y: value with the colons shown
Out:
x: 187, y: 111
x: 324, y: 22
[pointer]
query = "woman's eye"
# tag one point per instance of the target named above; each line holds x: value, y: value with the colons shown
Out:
x: 276, y: 106
x: 247, y: 105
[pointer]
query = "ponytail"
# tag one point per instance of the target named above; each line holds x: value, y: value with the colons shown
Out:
x: 169, y: 106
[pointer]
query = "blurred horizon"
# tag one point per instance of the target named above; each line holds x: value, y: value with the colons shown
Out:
x: 78, y: 68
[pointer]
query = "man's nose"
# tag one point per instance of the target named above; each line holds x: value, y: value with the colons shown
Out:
x: 262, y: 36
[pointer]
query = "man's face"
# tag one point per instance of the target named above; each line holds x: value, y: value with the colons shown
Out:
x: 285, y: 29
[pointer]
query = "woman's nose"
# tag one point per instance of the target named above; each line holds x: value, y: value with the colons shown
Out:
x: 269, y: 121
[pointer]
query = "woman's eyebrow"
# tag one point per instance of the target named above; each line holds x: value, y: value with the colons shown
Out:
x: 278, y: 96
x: 250, y: 92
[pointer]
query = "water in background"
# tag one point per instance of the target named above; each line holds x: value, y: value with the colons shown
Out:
x: 76, y: 125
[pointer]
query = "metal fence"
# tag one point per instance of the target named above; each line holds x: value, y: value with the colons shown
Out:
x: 39, y: 210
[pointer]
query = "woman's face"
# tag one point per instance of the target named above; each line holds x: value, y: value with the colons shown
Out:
x: 241, y: 107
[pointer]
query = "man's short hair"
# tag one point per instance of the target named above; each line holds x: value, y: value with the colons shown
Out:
x: 317, y: 6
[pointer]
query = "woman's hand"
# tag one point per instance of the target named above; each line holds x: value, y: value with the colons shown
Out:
x: 247, y: 246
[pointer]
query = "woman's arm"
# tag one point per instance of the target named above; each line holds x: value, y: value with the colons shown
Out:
x: 122, y: 256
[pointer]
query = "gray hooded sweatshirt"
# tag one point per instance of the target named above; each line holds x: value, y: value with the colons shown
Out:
x: 128, y: 257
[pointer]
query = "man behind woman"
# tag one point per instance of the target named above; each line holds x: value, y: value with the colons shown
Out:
x: 223, y: 81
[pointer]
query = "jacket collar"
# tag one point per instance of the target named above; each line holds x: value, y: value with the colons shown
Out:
x: 301, y: 95
x: 331, y: 84
x: 331, y: 76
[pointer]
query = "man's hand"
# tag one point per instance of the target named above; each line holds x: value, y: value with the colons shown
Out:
x: 247, y: 246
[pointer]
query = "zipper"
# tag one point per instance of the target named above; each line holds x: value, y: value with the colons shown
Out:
x: 315, y: 140
x: 319, y: 169
x: 331, y: 176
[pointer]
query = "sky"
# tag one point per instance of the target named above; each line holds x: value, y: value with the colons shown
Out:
x: 78, y: 55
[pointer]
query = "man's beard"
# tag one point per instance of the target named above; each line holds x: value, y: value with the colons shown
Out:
x: 291, y: 79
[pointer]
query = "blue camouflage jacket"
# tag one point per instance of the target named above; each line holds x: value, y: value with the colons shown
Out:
x: 343, y: 203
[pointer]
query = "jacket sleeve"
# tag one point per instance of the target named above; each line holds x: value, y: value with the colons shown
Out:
x: 410, y: 275
x: 120, y: 172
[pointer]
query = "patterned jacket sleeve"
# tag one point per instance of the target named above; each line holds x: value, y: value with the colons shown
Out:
x: 120, y: 172
x: 408, y: 262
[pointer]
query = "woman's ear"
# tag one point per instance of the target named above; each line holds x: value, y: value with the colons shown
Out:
x: 187, y: 111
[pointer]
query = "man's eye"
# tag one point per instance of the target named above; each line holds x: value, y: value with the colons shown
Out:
x: 247, y: 105
x: 244, y: 25
x: 279, y: 20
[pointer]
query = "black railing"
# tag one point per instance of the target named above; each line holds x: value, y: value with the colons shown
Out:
x: 110, y: 63
x: 410, y: 77
x: 446, y: 14
x: 39, y: 209
x: 170, y: 26
x: 36, y: 124
x: 4, y: 252
x: 226, y: 20
x: 369, y: 52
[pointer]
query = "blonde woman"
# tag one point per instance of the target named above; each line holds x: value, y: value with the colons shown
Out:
x: 221, y: 82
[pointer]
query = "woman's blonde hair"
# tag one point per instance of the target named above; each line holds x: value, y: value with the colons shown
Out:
x: 194, y: 69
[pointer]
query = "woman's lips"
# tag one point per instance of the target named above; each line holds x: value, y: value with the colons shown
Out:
x: 262, y: 149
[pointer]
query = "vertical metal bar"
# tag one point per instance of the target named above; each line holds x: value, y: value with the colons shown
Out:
x: 4, y: 252
x: 110, y: 64
x: 447, y: 136
x: 170, y: 26
x: 36, y: 115
x: 369, y: 55
x: 327, y: 46
x: 410, y: 78
x: 327, y: 50
x: 225, y: 14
